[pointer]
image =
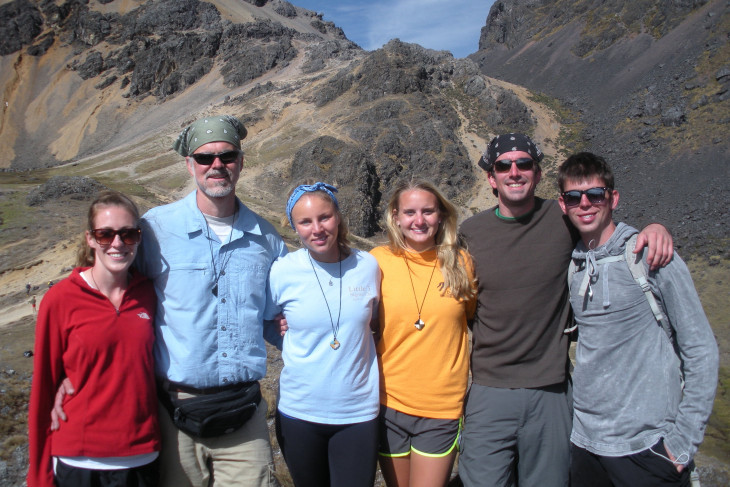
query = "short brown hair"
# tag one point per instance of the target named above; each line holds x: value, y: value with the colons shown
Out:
x: 583, y: 166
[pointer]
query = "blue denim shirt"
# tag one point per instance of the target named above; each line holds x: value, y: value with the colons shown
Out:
x: 204, y: 340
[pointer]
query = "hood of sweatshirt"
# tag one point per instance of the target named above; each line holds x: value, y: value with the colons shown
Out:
x: 590, y: 261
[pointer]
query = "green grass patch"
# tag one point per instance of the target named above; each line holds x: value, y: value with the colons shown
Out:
x: 717, y: 436
x: 158, y: 163
x: 285, y: 146
x: 172, y: 183
x: 570, y: 138
x: 15, y: 215
x: 711, y: 276
x: 128, y: 187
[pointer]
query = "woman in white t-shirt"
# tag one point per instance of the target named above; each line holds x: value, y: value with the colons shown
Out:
x: 327, y: 415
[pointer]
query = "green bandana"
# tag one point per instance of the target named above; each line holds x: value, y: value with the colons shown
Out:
x: 222, y: 128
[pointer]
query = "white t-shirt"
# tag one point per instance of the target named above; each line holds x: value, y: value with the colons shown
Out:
x: 318, y: 383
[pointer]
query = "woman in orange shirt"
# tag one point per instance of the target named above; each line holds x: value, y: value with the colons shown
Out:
x: 427, y: 296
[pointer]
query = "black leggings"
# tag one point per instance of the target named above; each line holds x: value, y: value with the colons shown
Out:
x: 328, y: 454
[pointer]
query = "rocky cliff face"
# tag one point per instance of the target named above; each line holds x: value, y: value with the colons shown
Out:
x: 100, y: 88
x: 88, y: 77
x: 648, y: 83
x: 645, y: 84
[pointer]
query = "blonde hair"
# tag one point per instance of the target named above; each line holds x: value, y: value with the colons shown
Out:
x: 342, y: 230
x: 85, y: 255
x: 450, y: 249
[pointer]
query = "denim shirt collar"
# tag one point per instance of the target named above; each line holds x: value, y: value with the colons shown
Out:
x: 245, y: 221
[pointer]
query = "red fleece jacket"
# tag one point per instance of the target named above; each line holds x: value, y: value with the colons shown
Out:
x: 107, y: 355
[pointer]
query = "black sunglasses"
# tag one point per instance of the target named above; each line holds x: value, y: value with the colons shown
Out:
x: 595, y: 196
x: 523, y: 164
x: 207, y: 159
x: 105, y: 236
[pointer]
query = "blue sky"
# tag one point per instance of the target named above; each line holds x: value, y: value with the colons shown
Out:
x: 452, y: 25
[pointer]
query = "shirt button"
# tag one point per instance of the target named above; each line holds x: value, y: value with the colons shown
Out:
x: 224, y: 354
x: 223, y: 328
x: 223, y: 273
x: 223, y: 300
x: 225, y: 380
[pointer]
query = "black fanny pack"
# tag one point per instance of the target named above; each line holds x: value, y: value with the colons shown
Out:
x: 213, y: 414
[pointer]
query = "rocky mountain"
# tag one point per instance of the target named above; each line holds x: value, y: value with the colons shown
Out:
x: 644, y: 83
x: 82, y: 78
x: 95, y: 91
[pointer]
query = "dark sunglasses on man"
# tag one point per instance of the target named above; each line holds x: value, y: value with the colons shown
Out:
x: 207, y: 159
x: 523, y: 164
x: 105, y: 236
x: 596, y: 196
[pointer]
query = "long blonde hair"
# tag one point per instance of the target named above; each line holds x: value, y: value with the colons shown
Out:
x: 450, y: 249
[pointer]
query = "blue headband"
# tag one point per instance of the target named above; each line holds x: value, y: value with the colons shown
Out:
x: 303, y: 189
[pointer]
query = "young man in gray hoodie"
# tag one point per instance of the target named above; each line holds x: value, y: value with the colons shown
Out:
x: 635, y: 421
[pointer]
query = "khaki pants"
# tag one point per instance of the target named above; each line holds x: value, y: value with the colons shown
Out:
x: 239, y: 458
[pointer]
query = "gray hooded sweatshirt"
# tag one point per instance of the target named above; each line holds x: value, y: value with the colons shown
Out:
x: 628, y: 378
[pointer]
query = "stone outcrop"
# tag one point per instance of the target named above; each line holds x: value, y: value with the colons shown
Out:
x: 648, y: 82
x: 20, y: 24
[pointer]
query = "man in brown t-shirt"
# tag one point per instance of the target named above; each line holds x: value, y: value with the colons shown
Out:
x: 517, y: 418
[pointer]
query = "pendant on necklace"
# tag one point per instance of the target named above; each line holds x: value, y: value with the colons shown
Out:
x: 215, y: 290
x: 335, y: 344
x: 419, y: 324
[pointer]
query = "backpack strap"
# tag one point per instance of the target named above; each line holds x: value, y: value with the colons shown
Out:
x: 638, y: 271
x: 573, y: 325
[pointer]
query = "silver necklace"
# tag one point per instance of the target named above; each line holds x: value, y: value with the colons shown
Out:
x: 217, y: 274
x: 335, y: 344
x: 91, y: 273
x: 419, y: 324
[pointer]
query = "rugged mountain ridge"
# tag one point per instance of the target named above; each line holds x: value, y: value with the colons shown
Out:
x: 98, y: 76
x: 647, y: 84
x: 101, y: 88
x: 96, y: 91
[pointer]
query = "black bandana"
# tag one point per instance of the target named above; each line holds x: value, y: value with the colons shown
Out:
x: 502, y: 144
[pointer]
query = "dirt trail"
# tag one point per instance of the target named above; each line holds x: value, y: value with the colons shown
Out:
x: 14, y: 303
x: 546, y: 134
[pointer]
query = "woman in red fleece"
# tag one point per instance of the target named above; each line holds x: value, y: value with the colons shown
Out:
x: 96, y: 328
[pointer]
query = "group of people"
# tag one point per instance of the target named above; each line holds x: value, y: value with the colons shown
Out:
x: 375, y: 345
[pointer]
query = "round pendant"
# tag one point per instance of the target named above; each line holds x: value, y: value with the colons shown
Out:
x: 335, y: 344
x: 419, y: 324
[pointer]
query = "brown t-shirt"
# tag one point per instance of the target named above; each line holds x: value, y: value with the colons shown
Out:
x: 523, y: 305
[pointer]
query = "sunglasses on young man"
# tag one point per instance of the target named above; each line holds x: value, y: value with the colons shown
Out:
x: 207, y: 159
x: 105, y: 236
x: 523, y: 164
x: 595, y: 196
